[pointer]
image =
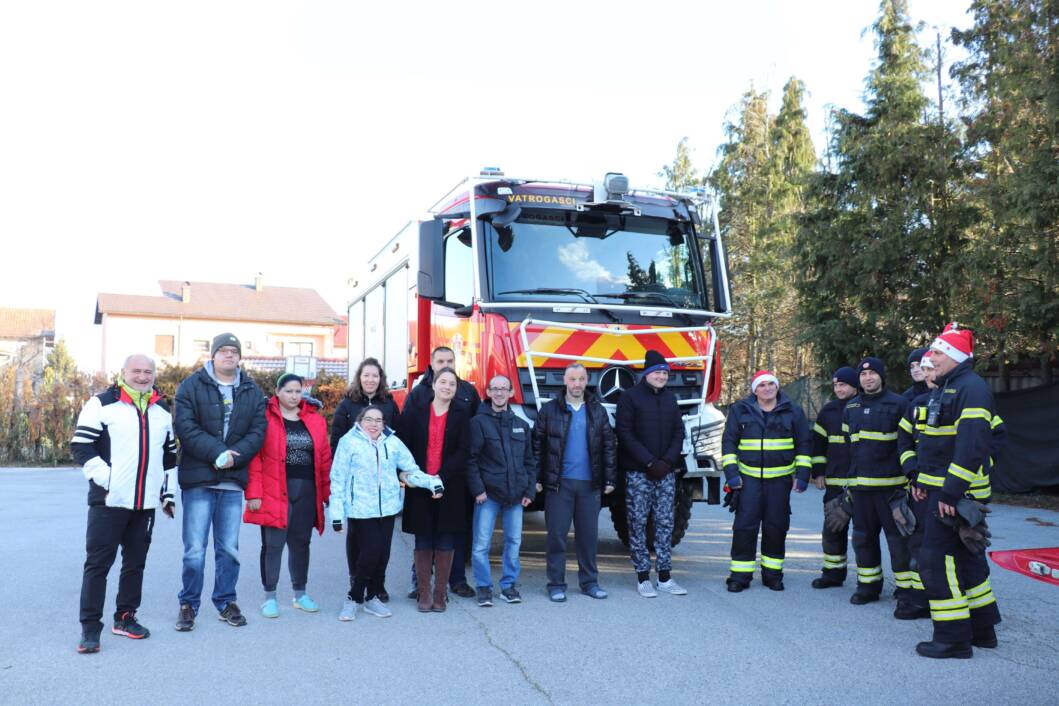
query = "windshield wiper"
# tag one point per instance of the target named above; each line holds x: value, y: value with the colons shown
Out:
x: 585, y: 296
x: 642, y: 295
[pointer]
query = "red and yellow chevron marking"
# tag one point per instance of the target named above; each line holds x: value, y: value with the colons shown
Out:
x: 600, y: 345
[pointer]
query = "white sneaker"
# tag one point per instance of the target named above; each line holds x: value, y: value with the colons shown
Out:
x: 645, y: 589
x: 672, y: 587
x: 377, y: 607
x: 349, y: 610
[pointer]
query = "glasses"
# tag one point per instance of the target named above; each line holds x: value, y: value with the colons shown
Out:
x: 371, y: 420
x: 499, y: 389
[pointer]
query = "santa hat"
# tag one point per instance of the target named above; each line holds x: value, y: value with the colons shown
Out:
x: 955, y: 342
x: 760, y: 377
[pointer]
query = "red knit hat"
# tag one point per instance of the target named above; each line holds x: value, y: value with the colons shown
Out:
x: 760, y: 377
x: 955, y: 342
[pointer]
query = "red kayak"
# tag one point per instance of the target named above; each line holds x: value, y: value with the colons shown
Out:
x: 1040, y: 564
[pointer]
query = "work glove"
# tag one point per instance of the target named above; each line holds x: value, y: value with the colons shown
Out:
x: 731, y: 497
x: 838, y: 511
x: 658, y: 469
x: 902, y: 513
x: 970, y: 524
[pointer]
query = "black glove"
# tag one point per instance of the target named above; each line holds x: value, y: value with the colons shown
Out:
x: 902, y: 513
x: 336, y: 525
x: 731, y: 498
x: 658, y: 469
x: 838, y: 511
x: 970, y: 524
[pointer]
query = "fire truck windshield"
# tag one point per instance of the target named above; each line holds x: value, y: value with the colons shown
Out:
x: 606, y: 258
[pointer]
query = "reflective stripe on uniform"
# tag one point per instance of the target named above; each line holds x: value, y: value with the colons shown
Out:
x: 742, y: 566
x: 728, y: 459
x: 766, y: 444
x: 954, y: 608
x: 905, y: 424
x: 961, y: 472
x: 975, y: 413
x: 926, y: 479
x: 836, y: 439
x: 917, y: 582
x: 905, y: 579
x: 834, y: 561
x: 820, y: 430
x: 997, y: 421
x: 907, y: 455
x: 819, y: 459
x: 841, y: 482
x: 888, y: 482
x: 980, y: 596
x: 766, y: 472
x: 771, y: 562
x: 878, y: 435
x: 869, y: 575
x: 803, y: 461
x: 939, y: 431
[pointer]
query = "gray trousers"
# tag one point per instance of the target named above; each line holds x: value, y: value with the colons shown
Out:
x: 301, y: 516
x: 575, y: 501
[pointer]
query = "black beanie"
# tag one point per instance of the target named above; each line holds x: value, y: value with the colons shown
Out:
x: 225, y: 339
x: 875, y: 364
x: 652, y: 361
x: 916, y: 356
x: 847, y: 375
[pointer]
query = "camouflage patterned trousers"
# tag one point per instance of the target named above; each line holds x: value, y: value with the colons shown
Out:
x: 643, y: 497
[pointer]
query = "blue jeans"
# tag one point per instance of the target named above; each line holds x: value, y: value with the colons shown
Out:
x: 484, y: 522
x: 223, y: 510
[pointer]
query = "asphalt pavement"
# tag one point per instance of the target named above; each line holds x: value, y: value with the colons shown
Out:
x: 801, y: 646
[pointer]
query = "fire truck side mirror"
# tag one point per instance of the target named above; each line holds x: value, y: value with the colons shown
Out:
x: 431, y: 279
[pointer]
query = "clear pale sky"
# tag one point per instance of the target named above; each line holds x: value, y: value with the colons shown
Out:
x: 212, y: 140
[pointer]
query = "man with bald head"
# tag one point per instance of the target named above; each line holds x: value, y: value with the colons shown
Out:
x: 125, y: 445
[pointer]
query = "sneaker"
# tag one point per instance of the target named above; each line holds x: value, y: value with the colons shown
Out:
x: 349, y: 610
x: 376, y: 608
x: 463, y: 590
x: 232, y: 615
x: 307, y: 604
x: 270, y: 608
x: 594, y: 592
x: 485, y: 597
x: 510, y: 595
x: 127, y: 626
x: 383, y: 596
x: 671, y: 587
x: 185, y: 618
x: 645, y: 589
x: 557, y: 595
x: 89, y: 643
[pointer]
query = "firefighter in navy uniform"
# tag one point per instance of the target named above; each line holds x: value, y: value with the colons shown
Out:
x: 953, y: 465
x: 831, y: 471
x: 765, y: 453
x: 870, y: 423
x: 915, y: 370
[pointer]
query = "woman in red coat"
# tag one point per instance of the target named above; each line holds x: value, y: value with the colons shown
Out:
x: 288, y: 485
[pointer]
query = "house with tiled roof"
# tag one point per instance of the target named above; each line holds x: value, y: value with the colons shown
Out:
x: 177, y: 326
x: 26, y: 336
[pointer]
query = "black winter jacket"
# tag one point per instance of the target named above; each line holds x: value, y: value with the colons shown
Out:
x: 765, y: 445
x: 830, y: 450
x: 500, y: 462
x: 413, y: 428
x: 649, y: 427
x: 198, y: 420
x: 870, y: 423
x: 549, y: 442
x: 347, y: 411
x: 466, y: 393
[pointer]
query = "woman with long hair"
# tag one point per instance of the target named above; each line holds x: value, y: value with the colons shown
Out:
x: 437, y: 434
x: 368, y: 387
x: 369, y: 466
x: 289, y: 480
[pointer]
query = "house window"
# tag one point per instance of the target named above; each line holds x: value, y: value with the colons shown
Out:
x: 297, y: 348
x: 201, y: 346
x: 163, y: 345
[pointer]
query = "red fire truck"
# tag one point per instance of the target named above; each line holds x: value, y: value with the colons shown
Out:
x: 521, y: 277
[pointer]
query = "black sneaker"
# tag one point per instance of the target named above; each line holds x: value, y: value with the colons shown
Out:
x: 186, y: 618
x: 485, y: 597
x: 510, y: 595
x: 127, y: 626
x: 89, y: 643
x: 463, y: 590
x: 232, y: 615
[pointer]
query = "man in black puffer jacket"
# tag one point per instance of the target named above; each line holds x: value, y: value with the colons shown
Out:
x: 575, y: 451
x: 501, y: 475
x: 220, y: 421
x: 650, y: 437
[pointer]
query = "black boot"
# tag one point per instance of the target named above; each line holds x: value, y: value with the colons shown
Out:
x: 735, y: 586
x: 825, y: 582
x: 773, y: 583
x: 985, y: 638
x: 861, y: 597
x: 906, y: 610
x: 944, y: 650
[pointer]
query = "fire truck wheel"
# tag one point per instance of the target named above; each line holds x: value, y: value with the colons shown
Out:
x: 681, y: 518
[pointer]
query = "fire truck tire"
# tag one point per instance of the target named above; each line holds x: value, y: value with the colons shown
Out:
x: 681, y: 518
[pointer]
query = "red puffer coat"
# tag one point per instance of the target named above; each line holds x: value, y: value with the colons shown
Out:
x: 268, y: 469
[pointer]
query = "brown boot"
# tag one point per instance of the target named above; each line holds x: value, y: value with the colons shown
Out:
x: 423, y: 561
x: 442, y: 569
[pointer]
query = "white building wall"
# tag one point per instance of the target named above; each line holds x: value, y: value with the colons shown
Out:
x: 124, y: 335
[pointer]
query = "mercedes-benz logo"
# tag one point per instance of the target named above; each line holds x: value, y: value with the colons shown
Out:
x: 613, y: 381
